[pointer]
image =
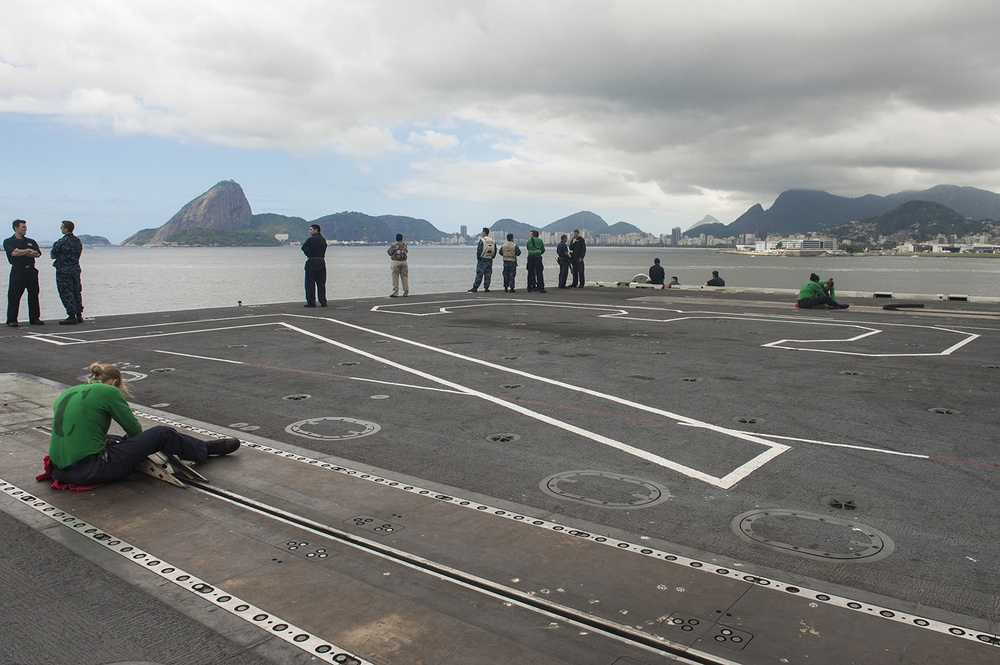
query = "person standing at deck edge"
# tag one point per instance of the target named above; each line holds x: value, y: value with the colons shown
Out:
x: 535, y: 248
x: 399, y: 270
x: 21, y: 253
x: 66, y: 253
x: 486, y: 251
x: 315, y: 250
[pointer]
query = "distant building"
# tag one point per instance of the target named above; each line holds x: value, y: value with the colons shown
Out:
x: 675, y: 236
x: 463, y: 230
x: 281, y: 237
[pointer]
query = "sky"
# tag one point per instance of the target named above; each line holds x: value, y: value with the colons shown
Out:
x: 656, y: 112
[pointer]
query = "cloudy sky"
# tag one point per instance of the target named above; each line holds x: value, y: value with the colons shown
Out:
x: 657, y: 112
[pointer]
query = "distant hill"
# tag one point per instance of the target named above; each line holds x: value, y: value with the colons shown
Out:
x: 578, y: 220
x: 222, y: 216
x: 802, y: 211
x: 359, y: 227
x: 622, y: 228
x: 520, y: 230
x: 921, y: 220
x: 93, y: 240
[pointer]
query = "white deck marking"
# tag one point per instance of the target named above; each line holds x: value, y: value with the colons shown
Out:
x: 725, y: 482
x: 191, y: 355
x: 613, y: 312
x: 847, y: 445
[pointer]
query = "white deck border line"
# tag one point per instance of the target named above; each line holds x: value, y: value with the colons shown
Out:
x: 725, y: 482
x: 250, y: 613
x: 618, y: 312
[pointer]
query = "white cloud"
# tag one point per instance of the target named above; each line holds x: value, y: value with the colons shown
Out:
x: 647, y: 105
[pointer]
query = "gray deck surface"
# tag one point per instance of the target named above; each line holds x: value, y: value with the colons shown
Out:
x: 712, y: 474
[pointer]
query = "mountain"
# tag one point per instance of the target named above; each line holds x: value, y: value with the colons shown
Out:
x: 622, y: 228
x: 520, y: 230
x: 802, y: 211
x: 222, y: 208
x: 579, y: 220
x: 919, y: 220
x: 359, y: 227
x: 707, y: 220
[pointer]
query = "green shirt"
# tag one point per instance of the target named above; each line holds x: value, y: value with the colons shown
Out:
x: 535, y: 246
x: 81, y: 417
x: 811, y: 290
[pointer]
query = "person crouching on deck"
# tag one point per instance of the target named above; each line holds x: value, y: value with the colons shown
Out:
x: 81, y: 452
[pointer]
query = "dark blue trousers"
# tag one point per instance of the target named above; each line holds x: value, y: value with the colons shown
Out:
x: 118, y: 460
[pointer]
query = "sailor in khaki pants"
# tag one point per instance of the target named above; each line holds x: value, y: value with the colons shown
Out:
x: 397, y: 252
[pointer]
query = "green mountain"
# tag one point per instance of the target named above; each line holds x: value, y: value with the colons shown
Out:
x: 622, y: 228
x: 802, y: 211
x: 359, y: 227
x: 579, y: 220
x: 520, y: 230
x: 917, y: 220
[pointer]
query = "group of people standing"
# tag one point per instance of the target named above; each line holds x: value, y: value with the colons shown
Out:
x: 568, y: 256
x: 21, y: 253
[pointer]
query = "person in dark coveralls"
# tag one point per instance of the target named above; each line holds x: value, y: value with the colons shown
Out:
x: 657, y: 275
x: 509, y: 251
x: 716, y: 280
x: 21, y: 253
x: 80, y: 451
x: 535, y: 248
x: 66, y: 253
x: 577, y: 250
x: 563, y: 259
x: 315, y: 250
x: 486, y: 251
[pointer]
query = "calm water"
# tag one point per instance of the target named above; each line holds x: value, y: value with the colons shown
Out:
x: 118, y: 280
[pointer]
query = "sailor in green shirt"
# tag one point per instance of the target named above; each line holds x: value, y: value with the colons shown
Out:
x: 80, y: 449
x: 813, y: 294
x: 535, y: 248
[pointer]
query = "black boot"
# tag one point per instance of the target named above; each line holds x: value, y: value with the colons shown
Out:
x: 222, y: 446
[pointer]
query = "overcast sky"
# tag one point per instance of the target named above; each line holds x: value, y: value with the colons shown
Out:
x: 115, y: 114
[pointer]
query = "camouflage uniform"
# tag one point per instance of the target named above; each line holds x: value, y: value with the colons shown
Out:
x: 66, y: 251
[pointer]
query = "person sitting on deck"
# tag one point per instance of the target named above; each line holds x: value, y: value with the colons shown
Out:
x: 82, y: 454
x: 716, y: 280
x: 656, y: 273
x: 813, y: 294
x: 673, y: 282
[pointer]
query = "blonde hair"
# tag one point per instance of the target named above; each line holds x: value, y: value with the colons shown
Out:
x: 102, y: 372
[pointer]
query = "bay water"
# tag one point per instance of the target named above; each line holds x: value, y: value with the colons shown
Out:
x: 122, y: 280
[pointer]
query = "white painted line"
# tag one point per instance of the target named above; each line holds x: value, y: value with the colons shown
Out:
x: 190, y: 355
x: 726, y: 482
x: 52, y: 340
x: 318, y: 648
x: 847, y: 445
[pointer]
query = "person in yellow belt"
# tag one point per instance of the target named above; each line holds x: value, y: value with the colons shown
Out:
x: 397, y: 254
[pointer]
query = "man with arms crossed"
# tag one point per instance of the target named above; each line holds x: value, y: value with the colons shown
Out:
x: 21, y: 253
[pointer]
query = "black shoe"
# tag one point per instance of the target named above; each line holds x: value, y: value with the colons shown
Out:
x: 393, y: 295
x: 79, y: 318
x: 322, y: 304
x: 512, y: 290
x: 70, y: 321
x: 505, y: 289
x: 309, y: 304
x: 37, y: 322
x: 840, y: 307
x: 473, y: 290
x: 486, y: 290
x: 222, y: 446
x: 541, y: 291
x: 12, y: 324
